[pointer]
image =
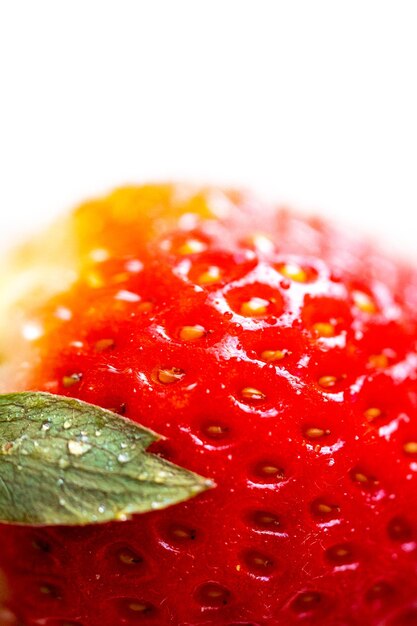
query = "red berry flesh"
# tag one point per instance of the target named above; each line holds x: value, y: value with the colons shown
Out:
x: 277, y: 356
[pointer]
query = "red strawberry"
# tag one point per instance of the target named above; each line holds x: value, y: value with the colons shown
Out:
x: 278, y: 357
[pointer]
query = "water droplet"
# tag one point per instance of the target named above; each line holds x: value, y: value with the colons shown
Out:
x: 127, y: 296
x: 123, y: 458
x: 32, y: 331
x: 72, y: 379
x: 63, y: 313
x: 67, y: 424
x: 46, y: 426
x: 134, y: 266
x: 78, y: 448
x: 101, y: 508
x: 99, y: 255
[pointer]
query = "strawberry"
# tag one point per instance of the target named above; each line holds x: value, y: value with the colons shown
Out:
x: 277, y: 357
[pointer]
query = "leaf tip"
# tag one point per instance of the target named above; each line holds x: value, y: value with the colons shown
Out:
x: 203, y: 484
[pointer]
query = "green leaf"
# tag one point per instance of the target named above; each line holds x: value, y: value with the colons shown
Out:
x: 66, y: 462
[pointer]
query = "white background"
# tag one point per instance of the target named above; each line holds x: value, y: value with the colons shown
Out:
x: 313, y: 103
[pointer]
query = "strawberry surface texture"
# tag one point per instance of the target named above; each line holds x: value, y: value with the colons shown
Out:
x: 276, y: 355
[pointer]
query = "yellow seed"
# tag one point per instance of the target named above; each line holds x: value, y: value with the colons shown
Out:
x: 273, y: 355
x: 192, y: 246
x: 144, y: 306
x: 211, y: 275
x: 270, y: 470
x: 121, y: 278
x: 327, y: 381
x: 267, y: 519
x: 372, y: 413
x: 255, y: 306
x: 191, y: 333
x: 104, y: 344
x: 260, y: 561
x: 323, y: 508
x: 410, y: 447
x: 308, y: 598
x: 379, y: 361
x: 316, y: 433
x: 215, y: 430
x: 214, y: 593
x: 69, y: 381
x: 171, y: 375
x: 182, y: 533
x: 139, y: 607
x: 324, y: 329
x: 94, y: 280
x: 378, y: 589
x: 364, y: 302
x: 250, y: 393
x: 125, y: 558
x: 361, y: 478
x: 339, y: 553
x: 128, y: 558
x: 293, y: 271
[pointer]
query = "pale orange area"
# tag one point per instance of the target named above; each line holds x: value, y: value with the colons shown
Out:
x: 120, y: 224
x: 29, y: 276
x: 131, y: 216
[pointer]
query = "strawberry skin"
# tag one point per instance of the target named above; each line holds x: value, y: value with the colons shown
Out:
x: 276, y: 356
